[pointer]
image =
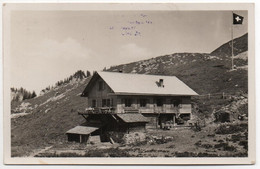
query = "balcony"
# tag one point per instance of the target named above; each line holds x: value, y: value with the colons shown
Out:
x: 98, y: 110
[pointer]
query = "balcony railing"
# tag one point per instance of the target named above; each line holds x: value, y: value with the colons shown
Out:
x: 98, y: 110
x: 148, y: 109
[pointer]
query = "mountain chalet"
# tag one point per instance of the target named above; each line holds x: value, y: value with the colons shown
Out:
x: 121, y: 103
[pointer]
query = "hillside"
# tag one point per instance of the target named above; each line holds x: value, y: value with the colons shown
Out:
x: 205, y: 73
x: 45, y: 119
x: 240, y: 45
x: 42, y: 121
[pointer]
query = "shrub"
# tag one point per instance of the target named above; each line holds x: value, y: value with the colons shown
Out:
x: 171, y: 146
x: 229, y: 148
x: 236, y: 137
x: 232, y: 128
x: 220, y: 145
x: 244, y: 143
x: 111, y: 152
x: 211, y: 135
x: 207, y: 155
x: 222, y: 117
x: 198, y: 143
x: 118, y: 153
x: 185, y: 154
x: 206, y: 146
x: 225, y: 147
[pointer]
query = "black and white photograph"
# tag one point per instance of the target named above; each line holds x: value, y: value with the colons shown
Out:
x: 129, y: 83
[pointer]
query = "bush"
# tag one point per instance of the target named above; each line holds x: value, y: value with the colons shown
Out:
x: 236, y: 137
x: 222, y: 117
x: 111, y: 152
x: 191, y: 154
x: 225, y: 147
x: 244, y: 143
x: 185, y: 154
x: 232, y: 128
x: 206, y: 146
x: 171, y: 146
x: 198, y: 143
x: 207, y: 155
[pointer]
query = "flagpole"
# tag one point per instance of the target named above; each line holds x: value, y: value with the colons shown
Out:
x: 232, y: 57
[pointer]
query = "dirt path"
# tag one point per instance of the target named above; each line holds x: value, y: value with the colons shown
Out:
x: 40, y: 151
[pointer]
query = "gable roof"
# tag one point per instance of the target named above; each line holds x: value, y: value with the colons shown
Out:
x: 142, y: 84
x: 132, y: 117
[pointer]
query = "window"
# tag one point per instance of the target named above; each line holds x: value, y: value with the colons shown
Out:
x: 143, y: 102
x: 101, y: 85
x: 104, y: 102
x: 108, y: 103
x: 159, y: 102
x: 175, y: 102
x: 128, y: 102
x: 112, y: 102
x: 94, y: 103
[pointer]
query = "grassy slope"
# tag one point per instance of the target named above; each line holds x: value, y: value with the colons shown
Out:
x: 202, y: 72
x: 42, y: 127
x: 240, y: 45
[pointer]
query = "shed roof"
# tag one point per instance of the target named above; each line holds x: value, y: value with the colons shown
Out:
x: 132, y: 117
x: 126, y: 83
x: 82, y: 130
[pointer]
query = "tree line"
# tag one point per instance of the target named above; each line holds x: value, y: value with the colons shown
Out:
x: 80, y: 74
x: 22, y: 94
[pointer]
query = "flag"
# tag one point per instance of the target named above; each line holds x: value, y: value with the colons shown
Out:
x: 237, y: 19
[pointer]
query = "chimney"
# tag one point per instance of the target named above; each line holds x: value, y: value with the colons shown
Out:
x: 161, y: 83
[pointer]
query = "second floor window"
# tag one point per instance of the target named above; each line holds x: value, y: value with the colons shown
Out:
x: 128, y: 102
x: 106, y: 103
x: 143, y: 102
x: 175, y: 103
x: 159, y: 102
x: 101, y: 85
x: 94, y: 103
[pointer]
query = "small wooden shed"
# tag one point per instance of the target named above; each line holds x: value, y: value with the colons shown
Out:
x: 80, y: 133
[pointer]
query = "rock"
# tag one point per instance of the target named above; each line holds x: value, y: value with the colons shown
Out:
x: 47, y: 110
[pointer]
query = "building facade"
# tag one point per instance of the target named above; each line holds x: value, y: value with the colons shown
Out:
x: 160, y: 98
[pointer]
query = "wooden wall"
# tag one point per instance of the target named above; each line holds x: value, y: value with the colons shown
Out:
x: 98, y: 95
x: 151, y: 107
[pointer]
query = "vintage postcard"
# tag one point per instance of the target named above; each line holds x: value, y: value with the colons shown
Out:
x: 129, y: 83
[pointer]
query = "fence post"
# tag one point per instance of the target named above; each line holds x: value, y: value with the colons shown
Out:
x: 223, y: 95
x: 209, y: 95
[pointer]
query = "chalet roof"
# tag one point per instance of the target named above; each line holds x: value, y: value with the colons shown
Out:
x: 132, y: 117
x: 82, y: 130
x: 126, y: 83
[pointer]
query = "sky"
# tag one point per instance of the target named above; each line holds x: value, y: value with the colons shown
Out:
x: 48, y: 46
